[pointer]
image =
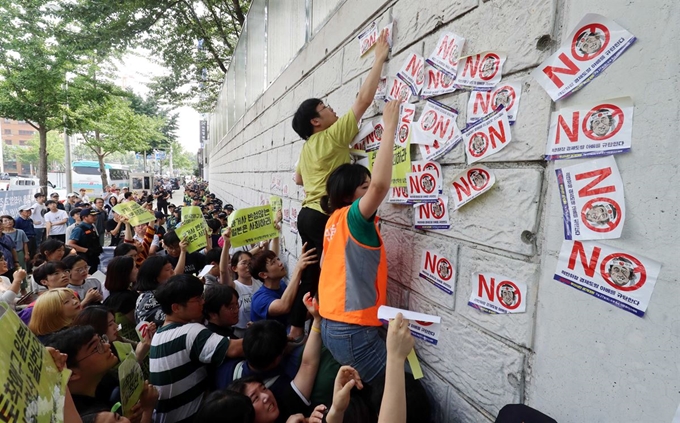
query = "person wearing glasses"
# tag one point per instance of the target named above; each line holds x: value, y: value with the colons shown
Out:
x: 89, y: 289
x: 221, y: 309
x: 89, y: 357
x: 326, y: 148
x: 183, y: 349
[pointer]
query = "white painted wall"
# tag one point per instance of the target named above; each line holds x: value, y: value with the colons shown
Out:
x: 573, y: 357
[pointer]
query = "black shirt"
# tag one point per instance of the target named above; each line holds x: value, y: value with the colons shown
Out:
x: 111, y: 225
x: 193, y: 264
x: 222, y: 331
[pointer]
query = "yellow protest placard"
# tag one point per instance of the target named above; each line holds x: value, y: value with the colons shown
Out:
x: 277, y: 204
x: 191, y: 213
x: 32, y: 388
x: 252, y: 225
x: 401, y: 164
x: 194, y: 233
x: 134, y: 212
x: 131, y: 380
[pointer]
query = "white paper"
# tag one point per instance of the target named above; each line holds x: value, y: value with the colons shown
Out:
x: 437, y: 270
x: 437, y: 83
x: 487, y: 136
x: 625, y: 280
x: 389, y: 28
x: 593, y: 203
x: 397, y: 90
x: 406, y: 114
x: 367, y: 127
x: 367, y: 38
x: 205, y: 270
x: 389, y: 313
x: 422, y: 326
x: 445, y: 55
x: 470, y: 184
x: 594, y: 44
x: 432, y: 215
x: 480, y: 71
x: 398, y: 195
x: 430, y: 165
x: 412, y: 72
x: 506, y: 94
x: 381, y: 91
x: 496, y: 294
x: 101, y: 277
x: 372, y: 140
x: 596, y: 129
x: 423, y: 187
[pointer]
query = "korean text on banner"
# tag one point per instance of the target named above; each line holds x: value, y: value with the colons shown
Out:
x: 593, y: 203
x: 33, y: 389
x: 495, y: 294
x: 595, y: 129
x: 470, y: 184
x: 191, y: 213
x: 277, y: 204
x: 623, y: 279
x: 131, y: 380
x: 594, y: 44
x: 252, y: 225
x: 135, y: 213
x: 194, y: 233
x: 423, y: 326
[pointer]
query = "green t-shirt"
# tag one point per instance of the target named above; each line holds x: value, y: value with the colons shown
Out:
x: 322, y: 153
x: 361, y: 229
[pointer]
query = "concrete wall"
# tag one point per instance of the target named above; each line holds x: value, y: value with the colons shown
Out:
x: 574, y: 357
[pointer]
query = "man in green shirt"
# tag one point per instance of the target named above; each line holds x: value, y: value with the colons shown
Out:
x: 327, y: 147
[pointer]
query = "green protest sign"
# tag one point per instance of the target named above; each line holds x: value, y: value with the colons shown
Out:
x: 32, y: 388
x: 134, y: 212
x: 131, y: 380
x: 194, y: 233
x: 277, y: 204
x: 191, y: 213
x: 252, y: 225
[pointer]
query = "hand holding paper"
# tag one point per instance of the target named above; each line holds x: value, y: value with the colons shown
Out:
x: 400, y: 342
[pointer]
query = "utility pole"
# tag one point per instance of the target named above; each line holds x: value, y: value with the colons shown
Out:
x: 67, y: 164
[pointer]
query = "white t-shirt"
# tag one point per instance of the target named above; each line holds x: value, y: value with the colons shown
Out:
x: 37, y: 215
x: 245, y: 298
x: 53, y: 217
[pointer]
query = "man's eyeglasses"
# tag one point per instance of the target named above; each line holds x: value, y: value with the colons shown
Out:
x: 100, y: 347
x: 323, y: 106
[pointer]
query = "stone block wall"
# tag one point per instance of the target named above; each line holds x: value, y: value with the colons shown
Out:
x: 575, y: 358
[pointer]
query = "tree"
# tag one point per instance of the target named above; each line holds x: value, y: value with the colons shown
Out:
x: 33, y: 67
x: 31, y: 153
x: 193, y: 39
x: 114, y: 127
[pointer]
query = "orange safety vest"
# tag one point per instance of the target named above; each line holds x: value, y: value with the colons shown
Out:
x: 353, y: 281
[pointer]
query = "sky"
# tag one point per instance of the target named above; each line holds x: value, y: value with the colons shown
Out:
x: 135, y: 72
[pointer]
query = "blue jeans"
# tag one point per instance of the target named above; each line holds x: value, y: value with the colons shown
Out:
x: 361, y: 347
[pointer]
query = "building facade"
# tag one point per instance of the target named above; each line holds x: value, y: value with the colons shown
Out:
x: 16, y: 133
x: 570, y: 355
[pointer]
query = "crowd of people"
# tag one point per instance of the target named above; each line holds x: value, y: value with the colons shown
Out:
x: 250, y: 341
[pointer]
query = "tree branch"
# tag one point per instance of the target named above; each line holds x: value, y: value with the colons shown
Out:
x: 206, y: 38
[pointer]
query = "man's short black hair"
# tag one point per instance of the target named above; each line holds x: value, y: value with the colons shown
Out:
x: 302, y: 120
x: 263, y: 342
x: 258, y: 263
x: 239, y: 385
x: 179, y: 289
x: 213, y: 255
x: 69, y: 341
x: 217, y: 296
x: 171, y: 239
x: 75, y: 211
x: 48, y: 202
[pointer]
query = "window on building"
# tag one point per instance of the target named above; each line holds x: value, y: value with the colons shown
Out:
x: 8, y: 120
x: 8, y: 142
x: 24, y: 132
x: 23, y: 142
x: 8, y: 131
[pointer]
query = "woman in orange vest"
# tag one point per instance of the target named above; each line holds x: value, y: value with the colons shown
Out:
x: 353, y: 282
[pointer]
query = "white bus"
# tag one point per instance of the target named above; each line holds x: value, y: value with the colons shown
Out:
x: 86, y: 175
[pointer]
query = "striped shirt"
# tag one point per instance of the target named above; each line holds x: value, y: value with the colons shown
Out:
x: 178, y: 358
